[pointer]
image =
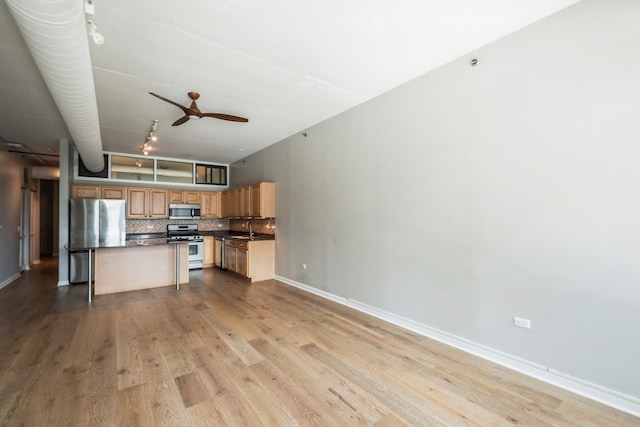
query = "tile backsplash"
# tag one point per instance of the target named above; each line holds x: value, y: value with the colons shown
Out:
x: 262, y: 226
x: 160, y: 225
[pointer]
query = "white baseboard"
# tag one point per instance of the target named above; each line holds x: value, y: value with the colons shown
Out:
x: 584, y: 388
x: 9, y: 280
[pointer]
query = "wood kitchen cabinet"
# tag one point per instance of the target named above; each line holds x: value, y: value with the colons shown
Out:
x: 230, y: 255
x: 242, y: 259
x: 184, y: 196
x: 224, y: 204
x: 147, y: 203
x: 208, y: 247
x: 85, y: 191
x: 97, y: 192
x: 244, y: 202
x: 263, y: 200
x: 210, y: 206
x: 217, y: 252
x: 113, y: 193
x: 253, y: 259
x: 255, y: 201
x: 232, y: 203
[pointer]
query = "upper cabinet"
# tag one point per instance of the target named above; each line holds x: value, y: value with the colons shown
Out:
x: 97, y: 192
x: 263, y: 200
x: 114, y: 193
x: 184, y: 196
x: 85, y: 192
x: 210, y: 205
x: 254, y: 201
x: 147, y: 203
x: 230, y: 204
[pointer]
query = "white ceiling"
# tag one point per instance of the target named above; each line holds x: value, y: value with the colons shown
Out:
x: 285, y: 65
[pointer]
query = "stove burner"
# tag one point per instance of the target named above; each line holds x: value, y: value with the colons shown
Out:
x: 196, y: 238
x: 183, y: 233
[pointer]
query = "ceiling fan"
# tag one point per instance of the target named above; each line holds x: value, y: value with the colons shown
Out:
x: 193, y: 112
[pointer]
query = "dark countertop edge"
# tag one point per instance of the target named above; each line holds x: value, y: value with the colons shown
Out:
x: 230, y: 234
x: 132, y: 236
x: 127, y: 244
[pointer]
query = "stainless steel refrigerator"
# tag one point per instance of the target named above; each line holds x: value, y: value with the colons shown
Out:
x: 92, y: 223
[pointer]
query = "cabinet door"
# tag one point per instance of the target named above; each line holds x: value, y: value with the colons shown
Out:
x: 244, y: 201
x: 189, y: 196
x: 232, y: 201
x: 114, y: 193
x: 217, y: 253
x: 158, y: 203
x: 137, y: 202
x: 85, y: 192
x: 208, y: 255
x: 254, y: 195
x: 263, y: 200
x: 210, y: 204
x: 175, y: 196
x: 242, y: 262
x: 224, y: 204
x: 230, y: 257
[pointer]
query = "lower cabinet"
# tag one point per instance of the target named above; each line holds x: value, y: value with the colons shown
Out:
x: 217, y: 252
x: 242, y: 256
x: 208, y: 247
x: 253, y: 259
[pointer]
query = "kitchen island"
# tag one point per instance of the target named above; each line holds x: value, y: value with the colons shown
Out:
x: 137, y: 264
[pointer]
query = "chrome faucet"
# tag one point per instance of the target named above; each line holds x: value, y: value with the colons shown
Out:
x: 250, y: 231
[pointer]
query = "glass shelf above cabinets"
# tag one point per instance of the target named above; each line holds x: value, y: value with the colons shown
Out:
x: 211, y: 174
x: 170, y: 171
x: 132, y: 168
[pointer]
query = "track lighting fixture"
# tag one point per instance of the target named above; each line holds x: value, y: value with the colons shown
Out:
x: 90, y: 13
x: 151, y: 136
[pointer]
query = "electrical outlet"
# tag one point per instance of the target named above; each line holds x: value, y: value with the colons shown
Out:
x: 304, y: 266
x: 521, y: 323
x: 219, y: 225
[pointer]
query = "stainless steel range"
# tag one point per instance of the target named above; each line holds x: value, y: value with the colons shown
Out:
x: 188, y: 233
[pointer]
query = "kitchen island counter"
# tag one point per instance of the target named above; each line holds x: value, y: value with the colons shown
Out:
x: 136, y: 264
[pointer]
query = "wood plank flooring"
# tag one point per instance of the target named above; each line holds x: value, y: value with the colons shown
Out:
x: 221, y: 352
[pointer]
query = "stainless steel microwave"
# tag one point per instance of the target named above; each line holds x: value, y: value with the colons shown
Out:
x: 177, y: 211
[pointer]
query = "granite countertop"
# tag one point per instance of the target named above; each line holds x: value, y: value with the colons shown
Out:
x: 227, y: 234
x: 126, y: 243
x: 132, y: 236
x: 154, y: 239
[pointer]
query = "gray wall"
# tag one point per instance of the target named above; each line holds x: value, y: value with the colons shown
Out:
x: 66, y: 172
x: 473, y: 194
x: 10, y: 198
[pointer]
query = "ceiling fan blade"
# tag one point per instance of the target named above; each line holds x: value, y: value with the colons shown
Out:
x: 227, y: 117
x: 180, y: 121
x: 170, y: 102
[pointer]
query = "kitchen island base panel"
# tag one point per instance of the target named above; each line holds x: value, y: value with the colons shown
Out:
x: 139, y: 267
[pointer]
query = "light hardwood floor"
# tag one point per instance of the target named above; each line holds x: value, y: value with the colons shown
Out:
x: 221, y: 352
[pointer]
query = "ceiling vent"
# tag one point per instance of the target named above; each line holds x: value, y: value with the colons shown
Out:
x: 55, y: 33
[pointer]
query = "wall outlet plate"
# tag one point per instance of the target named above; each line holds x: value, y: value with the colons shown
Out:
x: 521, y: 323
